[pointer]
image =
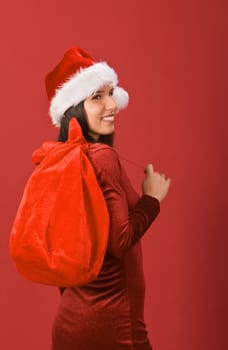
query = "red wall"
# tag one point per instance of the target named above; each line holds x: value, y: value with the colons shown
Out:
x: 172, y: 58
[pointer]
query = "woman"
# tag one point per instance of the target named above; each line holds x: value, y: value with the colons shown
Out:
x: 107, y: 313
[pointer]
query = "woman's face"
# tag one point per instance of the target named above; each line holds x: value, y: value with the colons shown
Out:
x: 100, y: 111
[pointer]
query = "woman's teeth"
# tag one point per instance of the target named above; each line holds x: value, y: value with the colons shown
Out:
x: 110, y: 118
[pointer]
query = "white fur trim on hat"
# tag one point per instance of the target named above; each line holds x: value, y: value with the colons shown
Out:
x: 82, y: 85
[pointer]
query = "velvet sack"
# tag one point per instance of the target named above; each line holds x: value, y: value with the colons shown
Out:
x: 60, y: 233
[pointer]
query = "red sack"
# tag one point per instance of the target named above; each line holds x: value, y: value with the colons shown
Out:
x: 60, y: 233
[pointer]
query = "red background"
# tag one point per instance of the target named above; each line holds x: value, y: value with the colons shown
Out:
x: 172, y: 58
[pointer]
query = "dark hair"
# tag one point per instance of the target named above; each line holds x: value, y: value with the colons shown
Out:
x: 79, y: 113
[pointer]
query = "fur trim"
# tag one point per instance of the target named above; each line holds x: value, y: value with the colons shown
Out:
x: 121, y: 97
x: 81, y: 85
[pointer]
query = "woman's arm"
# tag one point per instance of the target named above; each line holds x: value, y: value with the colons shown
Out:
x: 126, y: 227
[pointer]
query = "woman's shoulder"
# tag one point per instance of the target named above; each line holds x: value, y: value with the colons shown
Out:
x: 101, y: 150
x: 103, y: 156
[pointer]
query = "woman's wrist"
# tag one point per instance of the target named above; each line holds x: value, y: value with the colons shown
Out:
x: 151, y: 195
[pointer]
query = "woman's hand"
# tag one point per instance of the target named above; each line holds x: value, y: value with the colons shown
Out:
x: 155, y: 184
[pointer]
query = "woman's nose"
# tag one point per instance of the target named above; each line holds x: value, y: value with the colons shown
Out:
x: 111, y: 103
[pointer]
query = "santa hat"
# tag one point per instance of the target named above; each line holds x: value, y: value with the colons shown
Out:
x: 77, y: 77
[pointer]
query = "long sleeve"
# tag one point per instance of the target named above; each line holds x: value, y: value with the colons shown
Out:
x: 126, y: 227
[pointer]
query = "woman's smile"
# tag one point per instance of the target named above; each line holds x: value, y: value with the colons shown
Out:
x: 109, y: 118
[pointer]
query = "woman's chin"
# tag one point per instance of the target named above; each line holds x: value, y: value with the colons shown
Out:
x: 107, y: 130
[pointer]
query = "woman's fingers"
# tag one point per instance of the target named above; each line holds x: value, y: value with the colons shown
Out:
x: 149, y: 169
x: 155, y: 183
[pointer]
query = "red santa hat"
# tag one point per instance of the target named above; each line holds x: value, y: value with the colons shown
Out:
x: 77, y: 77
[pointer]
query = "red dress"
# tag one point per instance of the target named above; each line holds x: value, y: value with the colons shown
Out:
x: 107, y: 313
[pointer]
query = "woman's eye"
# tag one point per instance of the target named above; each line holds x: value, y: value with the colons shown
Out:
x: 96, y: 97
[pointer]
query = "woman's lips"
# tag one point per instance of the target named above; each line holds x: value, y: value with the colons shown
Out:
x: 109, y: 118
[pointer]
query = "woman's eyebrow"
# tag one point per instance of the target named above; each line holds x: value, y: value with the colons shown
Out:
x: 98, y: 91
x: 101, y: 91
